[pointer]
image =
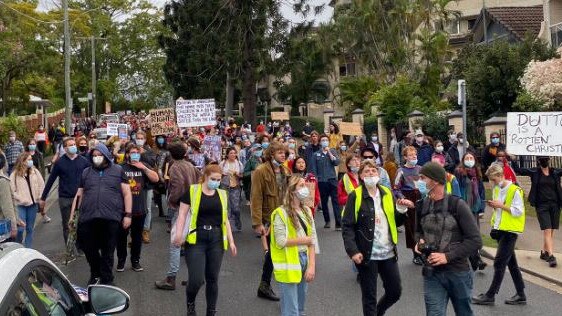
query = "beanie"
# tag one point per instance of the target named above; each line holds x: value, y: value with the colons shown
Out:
x: 435, y: 172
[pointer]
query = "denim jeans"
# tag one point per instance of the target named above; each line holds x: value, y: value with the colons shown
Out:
x: 27, y: 214
x: 505, y: 257
x: 390, y: 276
x: 444, y: 285
x: 293, y: 295
x: 175, y: 252
x: 148, y: 219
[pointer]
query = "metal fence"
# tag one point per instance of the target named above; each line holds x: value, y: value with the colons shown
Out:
x: 531, y: 162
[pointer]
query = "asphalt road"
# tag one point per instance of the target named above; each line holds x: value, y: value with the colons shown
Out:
x: 334, y: 291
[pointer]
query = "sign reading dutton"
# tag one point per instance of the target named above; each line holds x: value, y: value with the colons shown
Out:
x: 195, y: 113
x: 162, y: 121
x: 534, y: 133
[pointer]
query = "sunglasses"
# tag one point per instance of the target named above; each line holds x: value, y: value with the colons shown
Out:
x: 368, y: 157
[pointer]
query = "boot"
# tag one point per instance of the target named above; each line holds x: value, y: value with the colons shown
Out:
x: 146, y: 236
x: 211, y: 312
x: 191, y: 309
x: 265, y: 291
x: 169, y: 283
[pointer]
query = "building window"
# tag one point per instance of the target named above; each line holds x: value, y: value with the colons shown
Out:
x: 471, y: 23
x: 453, y: 26
x: 347, y: 69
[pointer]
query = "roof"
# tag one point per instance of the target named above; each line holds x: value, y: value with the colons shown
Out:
x: 518, y: 20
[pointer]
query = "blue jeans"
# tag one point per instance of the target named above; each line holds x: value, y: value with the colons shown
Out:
x: 444, y: 285
x: 148, y: 219
x: 293, y: 295
x: 27, y: 214
x: 175, y: 253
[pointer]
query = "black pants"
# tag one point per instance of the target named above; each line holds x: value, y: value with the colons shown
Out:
x: 203, y: 265
x: 65, y: 205
x: 475, y: 258
x: 267, y: 270
x: 390, y: 276
x: 137, y: 224
x: 41, y: 146
x: 158, y: 202
x: 505, y: 257
x: 97, y: 239
x: 330, y: 190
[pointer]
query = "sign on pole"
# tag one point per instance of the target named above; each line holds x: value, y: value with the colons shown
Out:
x: 534, y: 133
x: 195, y: 113
x: 163, y: 121
x: 279, y: 116
x: 116, y: 129
x: 347, y: 128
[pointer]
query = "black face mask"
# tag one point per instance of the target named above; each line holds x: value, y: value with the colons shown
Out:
x: 83, y: 148
x: 543, y: 163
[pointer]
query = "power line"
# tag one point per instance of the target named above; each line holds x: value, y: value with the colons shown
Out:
x: 29, y: 16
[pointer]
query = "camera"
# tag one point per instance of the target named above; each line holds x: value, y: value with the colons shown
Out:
x: 426, y: 250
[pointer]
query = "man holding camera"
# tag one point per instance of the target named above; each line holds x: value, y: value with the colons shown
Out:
x: 447, y: 235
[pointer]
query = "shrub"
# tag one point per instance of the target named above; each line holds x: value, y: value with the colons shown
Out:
x: 13, y: 123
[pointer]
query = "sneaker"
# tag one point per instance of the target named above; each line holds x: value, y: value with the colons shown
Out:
x: 417, y: 260
x: 483, y: 299
x: 120, y: 266
x: 517, y: 299
x: 327, y: 225
x: 544, y: 255
x: 46, y: 219
x: 551, y: 261
x: 265, y: 291
x: 137, y: 267
x: 338, y: 227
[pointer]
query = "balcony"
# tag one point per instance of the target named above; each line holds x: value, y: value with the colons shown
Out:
x: 556, y: 35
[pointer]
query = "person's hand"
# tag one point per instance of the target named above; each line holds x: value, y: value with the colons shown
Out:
x: 13, y: 233
x: 41, y: 204
x: 71, y: 224
x: 416, y: 248
x: 357, y: 258
x: 20, y: 223
x: 178, y: 241
x: 437, y: 259
x: 495, y: 203
x: 406, y: 203
x: 126, y: 222
x: 138, y: 164
x: 308, y: 241
x: 233, y: 249
x: 309, y: 274
x: 260, y: 230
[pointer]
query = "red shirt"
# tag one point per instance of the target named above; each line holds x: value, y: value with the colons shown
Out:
x: 342, y: 194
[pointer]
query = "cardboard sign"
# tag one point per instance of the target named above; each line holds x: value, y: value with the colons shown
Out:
x: 534, y: 133
x: 212, y: 147
x: 115, y: 129
x: 347, y: 128
x: 163, y: 121
x: 280, y: 116
x: 195, y: 113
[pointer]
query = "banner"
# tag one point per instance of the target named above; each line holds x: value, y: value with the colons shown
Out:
x: 353, y: 129
x: 280, y: 116
x: 195, y: 113
x: 534, y: 133
x: 115, y: 129
x: 162, y: 121
x: 212, y: 147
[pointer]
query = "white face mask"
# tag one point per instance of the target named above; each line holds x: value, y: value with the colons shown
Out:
x: 302, y: 193
x: 439, y: 149
x: 140, y: 142
x: 371, y: 181
x: 98, y: 160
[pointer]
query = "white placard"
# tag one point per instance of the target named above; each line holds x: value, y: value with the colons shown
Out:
x: 195, y: 113
x: 534, y: 133
x: 114, y: 128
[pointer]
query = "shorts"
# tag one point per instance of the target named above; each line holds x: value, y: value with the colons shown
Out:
x: 549, y: 216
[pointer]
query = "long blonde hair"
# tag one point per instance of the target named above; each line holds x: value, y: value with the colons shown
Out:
x: 20, y: 167
x: 288, y: 203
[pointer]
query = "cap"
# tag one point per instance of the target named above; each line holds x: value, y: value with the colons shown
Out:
x: 435, y: 172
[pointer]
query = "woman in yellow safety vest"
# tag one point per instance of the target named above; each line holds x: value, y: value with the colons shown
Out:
x: 370, y: 219
x: 204, y: 208
x: 293, y: 247
x: 350, y: 180
x: 508, y: 221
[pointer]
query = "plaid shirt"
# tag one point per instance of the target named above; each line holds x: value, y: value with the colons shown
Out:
x: 12, y: 151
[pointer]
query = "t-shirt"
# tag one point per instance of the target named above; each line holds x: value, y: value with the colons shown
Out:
x: 137, y: 181
x: 547, y: 193
x: 210, y: 209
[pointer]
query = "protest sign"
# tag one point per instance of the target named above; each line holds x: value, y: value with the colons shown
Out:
x: 194, y: 113
x: 280, y: 116
x: 347, y: 128
x: 212, y: 147
x: 163, y: 121
x: 122, y: 131
x: 115, y: 129
x: 534, y: 133
x: 198, y: 160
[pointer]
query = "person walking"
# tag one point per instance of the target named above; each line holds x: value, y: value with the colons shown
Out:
x: 208, y: 236
x: 370, y: 220
x: 68, y: 169
x: 300, y: 169
x: 7, y: 208
x: 452, y: 185
x: 163, y: 156
x: 37, y: 156
x: 446, y: 236
x: 252, y: 163
x: 423, y: 147
x: 546, y: 197
x: 150, y: 159
x: 508, y: 221
x: 138, y: 176
x: 269, y: 184
x: 294, y: 247
x: 232, y: 174
x: 13, y: 149
x: 26, y: 184
x: 456, y: 152
x: 100, y: 218
x: 41, y: 137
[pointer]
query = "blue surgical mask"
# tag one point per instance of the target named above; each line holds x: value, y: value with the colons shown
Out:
x: 258, y: 153
x: 325, y: 143
x: 413, y: 162
x: 291, y: 145
x: 264, y: 145
x: 343, y: 148
x: 160, y: 140
x: 32, y: 147
x: 469, y: 163
x: 72, y: 149
x: 213, y: 185
x: 135, y: 157
x: 495, y: 140
x: 275, y: 163
x: 422, y: 187
x: 30, y: 163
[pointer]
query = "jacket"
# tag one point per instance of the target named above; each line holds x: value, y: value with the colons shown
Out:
x: 534, y: 173
x: 266, y: 195
x: 342, y: 192
x: 489, y: 154
x: 452, y: 159
x: 425, y: 151
x: 7, y: 209
x: 20, y: 189
x: 342, y: 168
x: 323, y: 166
x: 182, y: 175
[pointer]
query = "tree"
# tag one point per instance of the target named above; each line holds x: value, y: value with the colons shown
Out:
x: 542, y: 82
x: 356, y: 91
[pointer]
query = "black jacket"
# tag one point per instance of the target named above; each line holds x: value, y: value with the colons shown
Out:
x: 487, y: 157
x: 534, y: 174
x: 358, y: 236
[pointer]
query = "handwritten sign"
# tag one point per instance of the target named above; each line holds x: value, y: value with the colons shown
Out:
x: 194, y: 113
x: 212, y: 147
x: 534, y: 133
x: 347, y: 128
x: 163, y: 121
x: 280, y: 116
x: 115, y: 129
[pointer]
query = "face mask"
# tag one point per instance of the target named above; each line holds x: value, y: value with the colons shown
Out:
x: 543, y: 163
x: 374, y: 138
x: 97, y: 160
x: 12, y: 139
x: 495, y: 140
x: 291, y: 145
x: 275, y: 163
x: 413, y: 162
x: 469, y: 163
x: 343, y: 148
x: 461, y: 140
x: 30, y: 163
x: 32, y: 147
x: 306, y: 144
x: 419, y: 139
x: 371, y: 181
x: 140, y: 142
x: 439, y: 149
x: 302, y: 193
x: 258, y: 153
x: 325, y: 143
x: 422, y: 187
x: 72, y: 149
x: 83, y: 148
x: 135, y: 157
x: 452, y: 138
x: 134, y: 137
x: 291, y: 156
x: 264, y: 145
x: 307, y: 124
x: 354, y: 169
x: 213, y: 185
x: 160, y: 141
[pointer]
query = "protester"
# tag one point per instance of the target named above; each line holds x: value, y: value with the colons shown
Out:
x: 390, y: 166
x: 423, y: 147
x: 13, y: 149
x: 68, y: 169
x: 323, y: 165
x: 344, y: 151
x: 7, y: 207
x: 508, y: 221
x: 294, y: 247
x: 446, y: 235
x: 83, y: 147
x: 312, y: 148
x: 26, y: 184
x: 370, y: 153
x: 439, y: 150
x: 253, y: 162
x: 232, y: 170
x: 269, y: 184
x: 546, y: 197
x: 307, y: 130
x: 377, y: 146
x: 456, y: 152
x: 508, y: 171
x: 452, y: 185
x: 451, y: 140
x: 41, y: 138
x: 36, y: 155
x: 150, y: 159
x: 490, y: 152
x: 138, y: 175
x: 370, y: 220
x: 350, y: 181
x: 163, y: 156
x: 300, y: 169
x: 335, y: 137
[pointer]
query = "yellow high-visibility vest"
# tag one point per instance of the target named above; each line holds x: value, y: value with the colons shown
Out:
x: 195, y: 192
x: 347, y: 184
x: 508, y: 222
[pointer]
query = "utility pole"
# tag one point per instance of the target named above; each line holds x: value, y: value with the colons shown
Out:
x: 484, y: 22
x: 462, y: 101
x: 68, y: 96
x: 93, y: 76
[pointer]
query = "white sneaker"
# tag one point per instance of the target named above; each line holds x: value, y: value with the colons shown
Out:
x: 46, y: 219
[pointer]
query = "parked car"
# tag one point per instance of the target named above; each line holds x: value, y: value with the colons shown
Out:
x: 33, y: 285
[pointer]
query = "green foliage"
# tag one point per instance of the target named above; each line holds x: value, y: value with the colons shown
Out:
x: 356, y: 91
x: 370, y: 125
x: 298, y: 123
x: 435, y: 125
x: 525, y: 102
x: 13, y: 123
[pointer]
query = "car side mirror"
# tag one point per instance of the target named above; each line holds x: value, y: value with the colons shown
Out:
x: 108, y: 300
